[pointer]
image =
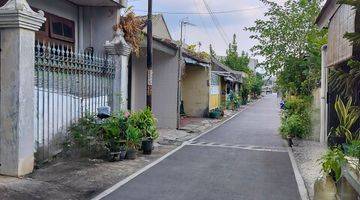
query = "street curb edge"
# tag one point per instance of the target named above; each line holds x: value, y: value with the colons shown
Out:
x: 299, y: 179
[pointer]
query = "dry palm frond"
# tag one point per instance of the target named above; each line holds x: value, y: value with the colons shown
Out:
x: 132, y: 28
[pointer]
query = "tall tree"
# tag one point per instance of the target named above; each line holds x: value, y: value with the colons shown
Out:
x: 234, y: 60
x: 290, y: 43
x: 212, y: 51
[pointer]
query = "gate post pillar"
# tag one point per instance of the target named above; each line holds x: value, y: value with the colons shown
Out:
x: 120, y: 51
x: 18, y: 23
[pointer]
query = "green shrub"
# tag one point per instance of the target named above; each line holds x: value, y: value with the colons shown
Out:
x: 348, y: 115
x: 145, y: 122
x: 332, y: 162
x: 84, y: 131
x: 353, y: 149
x: 215, y: 113
x: 296, y: 119
x: 113, y: 130
x: 133, y: 137
x: 244, y: 94
x: 295, y: 126
x: 297, y: 105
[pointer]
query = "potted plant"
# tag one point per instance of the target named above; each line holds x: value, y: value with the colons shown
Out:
x: 122, y: 155
x: 111, y: 135
x: 332, y: 162
x: 146, y: 123
x: 348, y: 116
x: 113, y: 129
x: 150, y: 132
x: 133, y: 138
x: 148, y: 142
x: 215, y: 113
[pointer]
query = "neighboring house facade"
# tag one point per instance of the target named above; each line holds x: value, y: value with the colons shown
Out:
x: 228, y: 79
x: 338, y: 19
x: 165, y: 89
x: 160, y: 28
x: 77, y: 23
x: 165, y: 85
x: 195, y: 87
x: 58, y: 64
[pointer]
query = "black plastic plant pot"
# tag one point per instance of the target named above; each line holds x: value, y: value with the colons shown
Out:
x: 147, y: 146
x: 336, y: 141
x: 122, y: 154
x: 290, y: 141
x: 131, y: 154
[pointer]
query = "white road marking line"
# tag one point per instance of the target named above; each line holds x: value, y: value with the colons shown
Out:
x: 147, y: 167
x: 253, y: 148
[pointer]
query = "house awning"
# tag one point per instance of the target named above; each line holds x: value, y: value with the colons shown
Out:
x: 190, y: 61
x: 221, y: 73
x: 110, y: 3
x: 229, y: 76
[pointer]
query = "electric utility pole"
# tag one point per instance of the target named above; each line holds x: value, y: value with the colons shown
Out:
x: 149, y: 56
x: 183, y: 23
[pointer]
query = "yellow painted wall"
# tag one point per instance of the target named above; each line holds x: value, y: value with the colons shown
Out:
x: 215, y: 91
x: 195, y: 91
x: 223, y: 91
x: 214, y: 101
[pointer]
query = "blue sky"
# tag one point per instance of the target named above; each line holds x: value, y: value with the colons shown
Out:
x: 205, y: 31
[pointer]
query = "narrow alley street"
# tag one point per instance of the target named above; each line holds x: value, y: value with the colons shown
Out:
x: 244, y: 158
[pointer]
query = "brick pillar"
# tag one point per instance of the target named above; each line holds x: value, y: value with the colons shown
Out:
x: 18, y: 23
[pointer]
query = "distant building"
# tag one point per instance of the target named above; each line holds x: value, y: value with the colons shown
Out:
x: 253, y: 64
x: 269, y: 84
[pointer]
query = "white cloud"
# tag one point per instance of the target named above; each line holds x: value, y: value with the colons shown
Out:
x: 205, y: 31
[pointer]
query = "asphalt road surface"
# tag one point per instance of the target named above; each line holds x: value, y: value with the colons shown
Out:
x: 242, y: 159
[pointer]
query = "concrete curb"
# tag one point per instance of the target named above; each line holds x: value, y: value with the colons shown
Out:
x: 147, y: 167
x: 299, y: 179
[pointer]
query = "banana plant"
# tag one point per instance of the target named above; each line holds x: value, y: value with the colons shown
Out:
x: 348, y: 115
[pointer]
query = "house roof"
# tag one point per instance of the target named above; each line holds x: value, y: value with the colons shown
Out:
x: 326, y: 13
x: 157, y: 19
x: 225, y: 71
x: 170, y: 43
x: 223, y: 67
x: 117, y: 3
x: 190, y: 55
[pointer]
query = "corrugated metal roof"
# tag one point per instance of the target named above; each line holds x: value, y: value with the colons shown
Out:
x: 191, y: 61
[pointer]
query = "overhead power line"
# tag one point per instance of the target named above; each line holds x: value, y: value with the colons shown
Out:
x: 202, y: 20
x: 203, y: 13
x: 216, y: 22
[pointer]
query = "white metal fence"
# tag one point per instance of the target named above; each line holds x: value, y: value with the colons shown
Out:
x: 68, y: 85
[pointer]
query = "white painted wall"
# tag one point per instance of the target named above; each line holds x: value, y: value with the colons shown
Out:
x: 50, y: 123
x: 98, y: 26
x: 164, y: 99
